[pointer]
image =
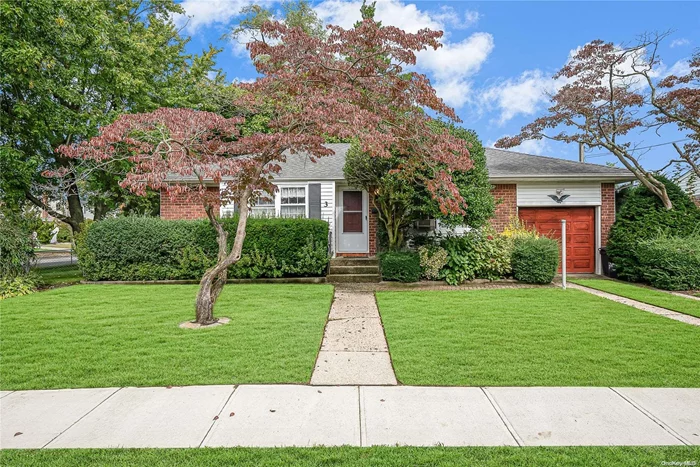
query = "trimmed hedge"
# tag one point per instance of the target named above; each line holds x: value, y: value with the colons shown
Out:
x: 402, y: 266
x: 641, y: 217
x: 150, y: 248
x: 671, y: 262
x: 535, y: 260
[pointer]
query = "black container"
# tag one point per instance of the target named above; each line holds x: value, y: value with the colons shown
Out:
x: 608, y: 267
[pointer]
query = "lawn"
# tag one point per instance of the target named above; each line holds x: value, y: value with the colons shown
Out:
x: 644, y: 294
x: 119, y: 335
x: 354, y: 456
x: 59, y: 275
x: 534, y: 337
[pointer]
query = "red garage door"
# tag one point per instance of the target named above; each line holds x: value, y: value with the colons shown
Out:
x: 580, y: 232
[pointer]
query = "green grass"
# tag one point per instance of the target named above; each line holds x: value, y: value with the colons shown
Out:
x: 354, y: 456
x: 643, y: 294
x: 119, y: 335
x: 59, y: 275
x: 534, y: 337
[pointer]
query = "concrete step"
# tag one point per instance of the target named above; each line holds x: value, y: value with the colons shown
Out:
x: 354, y: 269
x: 354, y: 262
x: 345, y: 278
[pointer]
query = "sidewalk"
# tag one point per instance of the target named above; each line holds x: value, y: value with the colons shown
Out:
x: 290, y: 415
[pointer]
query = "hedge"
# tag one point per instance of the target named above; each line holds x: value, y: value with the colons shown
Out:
x: 535, y: 260
x: 402, y: 266
x: 641, y: 217
x: 150, y: 248
x: 671, y: 262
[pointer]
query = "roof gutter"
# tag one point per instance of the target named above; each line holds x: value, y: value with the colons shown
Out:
x: 568, y: 177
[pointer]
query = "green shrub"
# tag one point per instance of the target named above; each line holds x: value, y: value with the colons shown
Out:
x: 147, y: 248
x: 402, y: 266
x: 641, y: 216
x: 17, y: 285
x: 16, y: 249
x: 476, y: 255
x: 671, y: 262
x: 432, y: 260
x: 535, y: 260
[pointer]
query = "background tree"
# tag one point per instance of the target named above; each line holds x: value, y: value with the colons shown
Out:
x: 70, y: 67
x: 401, y: 197
x: 601, y: 103
x: 311, y: 87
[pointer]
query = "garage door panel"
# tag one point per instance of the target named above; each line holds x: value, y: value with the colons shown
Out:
x: 580, y: 239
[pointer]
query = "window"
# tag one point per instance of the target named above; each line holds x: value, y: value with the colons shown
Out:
x: 352, y: 212
x: 264, y: 206
x: 293, y: 202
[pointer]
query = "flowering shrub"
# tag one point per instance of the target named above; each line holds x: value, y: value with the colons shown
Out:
x: 516, y: 228
x: 477, y: 254
x: 432, y: 260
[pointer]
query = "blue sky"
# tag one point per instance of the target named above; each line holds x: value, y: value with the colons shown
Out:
x: 498, y: 57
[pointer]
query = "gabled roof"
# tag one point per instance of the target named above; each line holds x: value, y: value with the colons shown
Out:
x: 511, y: 165
x: 502, y: 166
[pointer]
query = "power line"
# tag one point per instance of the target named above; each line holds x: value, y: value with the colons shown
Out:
x: 601, y: 154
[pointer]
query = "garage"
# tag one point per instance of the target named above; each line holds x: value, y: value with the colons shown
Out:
x: 580, y: 232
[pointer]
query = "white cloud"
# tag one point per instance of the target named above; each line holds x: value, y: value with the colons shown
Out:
x: 524, y: 95
x: 449, y: 16
x: 531, y: 146
x: 202, y: 13
x: 391, y: 13
x: 679, y: 42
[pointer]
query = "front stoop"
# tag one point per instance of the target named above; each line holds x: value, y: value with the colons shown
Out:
x: 348, y: 270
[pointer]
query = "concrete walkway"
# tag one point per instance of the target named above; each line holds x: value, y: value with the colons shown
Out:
x: 290, y: 415
x: 354, y: 350
x: 639, y: 305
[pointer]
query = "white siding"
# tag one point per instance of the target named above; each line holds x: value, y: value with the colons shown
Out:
x: 579, y: 193
x: 328, y: 203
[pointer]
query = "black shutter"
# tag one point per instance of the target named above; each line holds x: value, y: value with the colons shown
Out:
x: 314, y: 200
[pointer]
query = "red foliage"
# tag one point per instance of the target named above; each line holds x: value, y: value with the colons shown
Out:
x: 350, y: 84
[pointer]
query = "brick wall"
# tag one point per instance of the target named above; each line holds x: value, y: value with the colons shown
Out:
x: 506, y: 205
x: 607, y: 211
x: 179, y: 207
x: 373, y: 227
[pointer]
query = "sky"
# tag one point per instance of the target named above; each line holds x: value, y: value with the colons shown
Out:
x: 497, y: 59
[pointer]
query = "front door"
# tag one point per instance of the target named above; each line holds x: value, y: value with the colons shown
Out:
x: 352, y: 222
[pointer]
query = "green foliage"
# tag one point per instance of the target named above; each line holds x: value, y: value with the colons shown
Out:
x: 641, y: 217
x: 142, y: 248
x: 17, y: 286
x: 402, y: 266
x: 473, y: 185
x: 69, y: 67
x: 535, y: 260
x: 16, y: 249
x: 432, y: 260
x: 671, y: 262
x: 476, y: 255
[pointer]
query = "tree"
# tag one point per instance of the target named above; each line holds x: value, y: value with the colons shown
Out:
x: 401, y: 197
x: 311, y: 88
x: 600, y: 104
x: 70, y: 67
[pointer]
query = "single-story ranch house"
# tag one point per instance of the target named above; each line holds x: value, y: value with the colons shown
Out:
x: 539, y: 190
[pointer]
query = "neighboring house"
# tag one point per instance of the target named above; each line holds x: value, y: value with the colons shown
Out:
x: 690, y: 184
x: 539, y: 190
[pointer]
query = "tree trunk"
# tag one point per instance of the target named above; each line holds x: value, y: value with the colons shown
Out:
x: 214, y: 279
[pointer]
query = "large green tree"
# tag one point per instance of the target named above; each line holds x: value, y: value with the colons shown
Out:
x: 401, y: 196
x: 70, y: 67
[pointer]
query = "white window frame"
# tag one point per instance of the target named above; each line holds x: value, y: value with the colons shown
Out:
x: 270, y: 208
x: 306, y: 198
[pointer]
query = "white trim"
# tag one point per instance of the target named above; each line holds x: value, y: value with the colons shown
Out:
x: 598, y: 269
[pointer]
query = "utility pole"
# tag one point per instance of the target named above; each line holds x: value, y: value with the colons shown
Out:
x: 581, y: 155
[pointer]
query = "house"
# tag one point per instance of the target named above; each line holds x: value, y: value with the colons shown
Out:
x: 540, y: 190
x: 690, y: 184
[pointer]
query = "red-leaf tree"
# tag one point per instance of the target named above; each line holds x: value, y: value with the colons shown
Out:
x: 347, y: 84
x: 602, y: 102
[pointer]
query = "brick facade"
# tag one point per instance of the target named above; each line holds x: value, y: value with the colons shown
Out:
x: 607, y: 210
x: 180, y: 207
x: 373, y: 226
x: 506, y: 205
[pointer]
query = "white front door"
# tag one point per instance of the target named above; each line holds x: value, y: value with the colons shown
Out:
x: 352, y: 221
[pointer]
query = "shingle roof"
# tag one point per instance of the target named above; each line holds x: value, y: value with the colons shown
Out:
x: 502, y: 165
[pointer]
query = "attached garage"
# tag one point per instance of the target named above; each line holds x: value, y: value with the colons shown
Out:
x: 580, y: 232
